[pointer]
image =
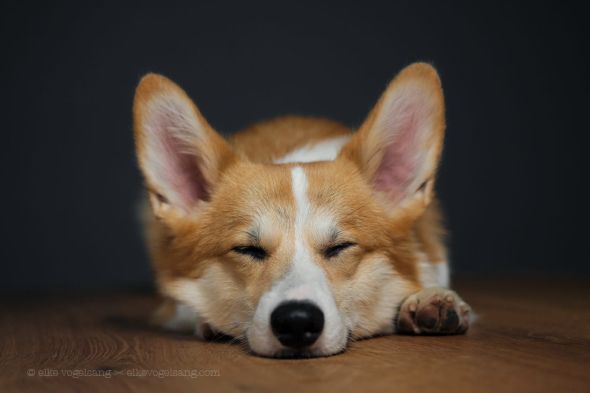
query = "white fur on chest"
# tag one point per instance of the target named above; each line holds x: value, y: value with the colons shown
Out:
x: 326, y: 150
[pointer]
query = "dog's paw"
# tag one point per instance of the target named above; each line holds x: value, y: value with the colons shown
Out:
x: 433, y: 311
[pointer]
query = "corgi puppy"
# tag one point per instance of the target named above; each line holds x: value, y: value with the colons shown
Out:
x: 297, y: 234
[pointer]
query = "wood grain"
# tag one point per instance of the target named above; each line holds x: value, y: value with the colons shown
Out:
x: 531, y: 336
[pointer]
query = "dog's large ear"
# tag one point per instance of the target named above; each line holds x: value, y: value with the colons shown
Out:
x: 180, y: 155
x: 399, y: 145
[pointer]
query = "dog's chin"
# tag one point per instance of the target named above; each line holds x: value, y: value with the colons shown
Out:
x: 289, y: 353
x: 305, y: 353
x: 265, y: 345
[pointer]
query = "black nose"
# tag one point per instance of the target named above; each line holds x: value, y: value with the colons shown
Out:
x: 297, y: 324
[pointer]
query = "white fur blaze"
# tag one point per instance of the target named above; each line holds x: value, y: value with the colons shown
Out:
x: 304, y: 280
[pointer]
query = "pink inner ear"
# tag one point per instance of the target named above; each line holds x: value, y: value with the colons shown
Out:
x: 403, y: 153
x: 174, y: 159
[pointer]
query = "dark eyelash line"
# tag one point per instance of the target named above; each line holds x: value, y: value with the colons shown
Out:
x: 255, y: 252
x: 260, y: 253
x: 333, y: 251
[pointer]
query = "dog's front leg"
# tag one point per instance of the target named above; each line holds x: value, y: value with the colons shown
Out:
x: 433, y: 311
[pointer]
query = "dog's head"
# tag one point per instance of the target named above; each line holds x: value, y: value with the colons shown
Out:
x: 295, y: 258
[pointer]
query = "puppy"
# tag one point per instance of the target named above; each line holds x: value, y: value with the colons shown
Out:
x: 297, y: 234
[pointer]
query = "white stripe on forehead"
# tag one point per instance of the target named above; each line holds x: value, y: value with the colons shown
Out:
x: 319, y: 223
x: 303, y: 270
x: 300, y: 193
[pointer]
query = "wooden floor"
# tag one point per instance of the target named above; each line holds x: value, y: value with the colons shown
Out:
x: 531, y: 336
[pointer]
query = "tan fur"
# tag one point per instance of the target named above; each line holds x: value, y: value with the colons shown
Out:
x: 248, y: 191
x: 268, y: 140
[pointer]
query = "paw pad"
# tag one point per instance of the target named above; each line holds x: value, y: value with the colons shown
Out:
x: 433, y: 311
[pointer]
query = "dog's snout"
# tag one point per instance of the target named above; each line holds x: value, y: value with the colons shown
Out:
x: 297, y: 324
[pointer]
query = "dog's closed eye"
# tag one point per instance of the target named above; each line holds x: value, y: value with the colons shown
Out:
x: 255, y: 252
x: 333, y: 251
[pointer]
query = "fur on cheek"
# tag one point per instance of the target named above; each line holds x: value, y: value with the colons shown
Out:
x: 369, y: 300
x: 216, y: 298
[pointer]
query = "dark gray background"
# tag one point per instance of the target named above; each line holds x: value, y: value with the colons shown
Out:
x: 515, y: 78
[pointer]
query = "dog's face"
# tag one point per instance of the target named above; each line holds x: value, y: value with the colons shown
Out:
x: 295, y: 258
